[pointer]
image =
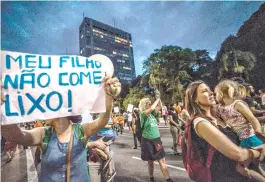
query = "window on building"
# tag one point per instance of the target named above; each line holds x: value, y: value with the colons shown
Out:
x: 126, y: 68
x: 82, y: 36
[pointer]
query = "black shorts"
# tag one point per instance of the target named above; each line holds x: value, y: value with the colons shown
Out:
x: 149, y: 151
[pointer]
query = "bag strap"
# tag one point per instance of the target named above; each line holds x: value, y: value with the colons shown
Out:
x: 70, y: 146
x: 211, y: 150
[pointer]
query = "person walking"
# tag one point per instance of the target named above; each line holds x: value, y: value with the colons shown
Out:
x: 136, y: 128
x: 121, y: 122
x: 151, y: 145
x: 130, y: 118
x: 174, y: 126
x: 164, y: 114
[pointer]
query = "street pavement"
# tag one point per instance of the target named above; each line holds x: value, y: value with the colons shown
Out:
x: 128, y: 165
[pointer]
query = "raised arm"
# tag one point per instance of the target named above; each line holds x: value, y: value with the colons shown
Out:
x: 223, y: 144
x: 152, y: 108
x: 112, y: 89
x: 246, y: 112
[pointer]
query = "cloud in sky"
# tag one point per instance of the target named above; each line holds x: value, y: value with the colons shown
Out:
x: 53, y: 27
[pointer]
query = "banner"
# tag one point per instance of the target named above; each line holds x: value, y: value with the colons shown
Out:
x: 40, y: 87
x: 116, y: 109
x: 130, y: 108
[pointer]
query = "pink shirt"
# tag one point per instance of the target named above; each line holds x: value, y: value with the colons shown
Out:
x: 235, y: 120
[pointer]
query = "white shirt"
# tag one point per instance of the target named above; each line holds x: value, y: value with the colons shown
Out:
x: 164, y: 110
x: 130, y: 117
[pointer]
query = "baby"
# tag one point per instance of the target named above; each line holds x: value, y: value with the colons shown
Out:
x: 237, y: 115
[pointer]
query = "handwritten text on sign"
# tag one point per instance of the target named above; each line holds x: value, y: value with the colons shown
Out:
x: 43, y: 86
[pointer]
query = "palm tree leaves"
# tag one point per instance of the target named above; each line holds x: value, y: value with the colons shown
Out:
x: 236, y: 63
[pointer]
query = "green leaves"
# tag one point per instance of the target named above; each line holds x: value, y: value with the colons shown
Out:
x: 236, y: 63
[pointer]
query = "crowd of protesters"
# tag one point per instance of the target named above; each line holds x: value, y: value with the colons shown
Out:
x: 230, y: 121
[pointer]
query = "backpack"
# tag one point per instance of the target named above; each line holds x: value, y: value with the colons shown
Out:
x: 139, y: 133
x: 78, y: 130
x: 195, y: 166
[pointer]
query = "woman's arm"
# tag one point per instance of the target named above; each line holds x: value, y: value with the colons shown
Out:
x: 186, y: 113
x: 182, y: 121
x: 14, y: 134
x: 152, y: 108
x: 92, y: 128
x: 246, y: 112
x: 220, y: 142
x: 110, y: 86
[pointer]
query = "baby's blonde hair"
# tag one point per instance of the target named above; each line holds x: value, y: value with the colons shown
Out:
x: 228, y: 88
x: 142, y: 104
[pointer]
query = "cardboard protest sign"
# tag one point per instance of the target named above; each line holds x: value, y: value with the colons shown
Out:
x: 116, y: 109
x: 39, y: 87
x: 130, y: 108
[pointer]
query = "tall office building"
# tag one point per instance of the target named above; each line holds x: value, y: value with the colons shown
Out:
x: 98, y: 38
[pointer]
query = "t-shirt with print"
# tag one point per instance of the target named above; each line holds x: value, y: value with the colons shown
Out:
x: 150, y: 128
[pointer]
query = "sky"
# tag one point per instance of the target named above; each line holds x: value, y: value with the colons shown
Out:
x: 53, y: 27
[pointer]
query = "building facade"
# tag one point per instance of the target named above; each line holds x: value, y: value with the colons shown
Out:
x: 98, y: 38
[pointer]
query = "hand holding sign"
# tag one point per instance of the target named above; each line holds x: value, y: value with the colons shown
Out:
x: 112, y: 86
x: 51, y: 86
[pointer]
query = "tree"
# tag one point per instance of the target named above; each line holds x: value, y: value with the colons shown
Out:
x: 136, y: 93
x: 167, y: 68
x: 236, y: 63
x: 205, y: 68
